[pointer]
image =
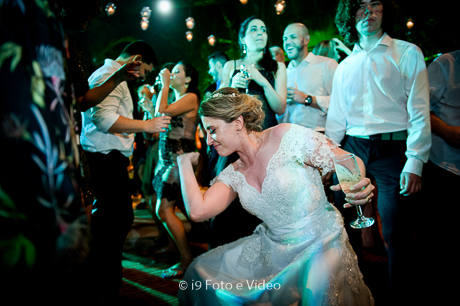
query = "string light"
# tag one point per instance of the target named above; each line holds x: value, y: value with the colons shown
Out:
x: 190, y: 22
x: 189, y: 35
x: 244, y: 1
x: 145, y: 12
x: 410, y: 23
x: 110, y: 9
x: 280, y: 6
x: 144, y: 23
x: 211, y: 40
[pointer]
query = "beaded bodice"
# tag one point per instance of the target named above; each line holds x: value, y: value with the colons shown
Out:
x: 291, y: 189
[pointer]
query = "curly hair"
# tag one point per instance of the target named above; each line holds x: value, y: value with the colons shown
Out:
x: 345, y: 19
x: 228, y: 104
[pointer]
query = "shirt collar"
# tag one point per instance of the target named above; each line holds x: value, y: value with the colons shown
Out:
x: 384, y: 40
x: 309, y: 58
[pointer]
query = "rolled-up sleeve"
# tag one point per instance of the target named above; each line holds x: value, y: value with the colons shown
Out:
x: 323, y: 101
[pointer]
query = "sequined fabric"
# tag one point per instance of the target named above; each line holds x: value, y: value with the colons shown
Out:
x: 178, y: 140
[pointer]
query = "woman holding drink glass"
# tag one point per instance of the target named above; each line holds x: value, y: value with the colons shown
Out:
x: 300, y: 253
x: 179, y: 139
x: 256, y: 73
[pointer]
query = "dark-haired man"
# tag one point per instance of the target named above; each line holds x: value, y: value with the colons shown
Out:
x: 216, y: 63
x: 108, y: 137
x: 379, y: 108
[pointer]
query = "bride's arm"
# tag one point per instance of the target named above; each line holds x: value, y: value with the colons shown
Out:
x: 322, y: 157
x: 199, y: 206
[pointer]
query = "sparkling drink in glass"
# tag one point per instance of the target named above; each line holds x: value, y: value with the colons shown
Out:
x: 348, y: 173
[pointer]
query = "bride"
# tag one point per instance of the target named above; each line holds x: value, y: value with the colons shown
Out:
x: 300, y: 254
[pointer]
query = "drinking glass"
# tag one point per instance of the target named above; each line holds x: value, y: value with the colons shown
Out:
x: 164, y: 114
x: 348, y: 173
x: 245, y: 73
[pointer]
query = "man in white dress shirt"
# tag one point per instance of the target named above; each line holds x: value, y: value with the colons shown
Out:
x: 107, y: 138
x: 379, y: 110
x: 309, y: 81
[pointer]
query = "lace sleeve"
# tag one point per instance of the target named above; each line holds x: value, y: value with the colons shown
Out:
x: 226, y: 177
x: 312, y: 147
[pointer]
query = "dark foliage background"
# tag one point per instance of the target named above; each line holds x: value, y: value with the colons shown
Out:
x: 434, y: 30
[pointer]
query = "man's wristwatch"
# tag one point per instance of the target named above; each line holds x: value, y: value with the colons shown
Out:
x: 308, y: 100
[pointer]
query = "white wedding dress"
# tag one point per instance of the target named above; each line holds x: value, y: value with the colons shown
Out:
x: 299, y: 255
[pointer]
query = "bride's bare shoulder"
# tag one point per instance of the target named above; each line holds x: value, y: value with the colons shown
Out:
x: 278, y: 131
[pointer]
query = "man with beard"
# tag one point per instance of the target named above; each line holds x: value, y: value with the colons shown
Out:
x: 309, y: 81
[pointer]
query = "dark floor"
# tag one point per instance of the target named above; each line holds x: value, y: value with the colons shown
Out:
x: 142, y: 274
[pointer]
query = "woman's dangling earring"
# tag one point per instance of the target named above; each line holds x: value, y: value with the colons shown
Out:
x: 244, y: 49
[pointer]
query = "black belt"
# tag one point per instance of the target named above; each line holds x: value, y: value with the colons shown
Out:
x: 401, y: 135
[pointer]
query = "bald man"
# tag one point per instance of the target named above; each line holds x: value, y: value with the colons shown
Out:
x: 309, y: 81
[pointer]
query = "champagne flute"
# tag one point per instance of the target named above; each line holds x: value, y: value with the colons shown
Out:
x: 348, y: 173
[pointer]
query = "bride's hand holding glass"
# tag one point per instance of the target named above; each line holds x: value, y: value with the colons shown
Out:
x: 360, y: 193
x: 357, y: 190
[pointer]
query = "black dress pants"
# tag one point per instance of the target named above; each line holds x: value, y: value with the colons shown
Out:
x: 384, y: 161
x: 111, y: 218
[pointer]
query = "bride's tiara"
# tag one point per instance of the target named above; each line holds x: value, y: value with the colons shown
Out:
x: 218, y: 95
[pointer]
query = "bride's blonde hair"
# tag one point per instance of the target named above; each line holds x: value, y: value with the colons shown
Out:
x: 228, y: 104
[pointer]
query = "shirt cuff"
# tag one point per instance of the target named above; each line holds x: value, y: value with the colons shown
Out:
x: 413, y: 165
x: 323, y: 103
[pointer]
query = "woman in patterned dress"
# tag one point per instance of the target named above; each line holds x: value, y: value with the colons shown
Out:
x: 179, y: 139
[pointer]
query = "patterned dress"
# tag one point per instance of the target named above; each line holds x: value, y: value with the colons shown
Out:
x: 179, y: 139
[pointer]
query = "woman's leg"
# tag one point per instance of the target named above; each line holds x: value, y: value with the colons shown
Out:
x: 163, y: 242
x: 175, y: 228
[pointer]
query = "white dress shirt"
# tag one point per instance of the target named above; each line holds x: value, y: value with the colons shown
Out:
x: 313, y: 76
x: 444, y: 77
x: 383, y: 90
x: 97, y: 120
